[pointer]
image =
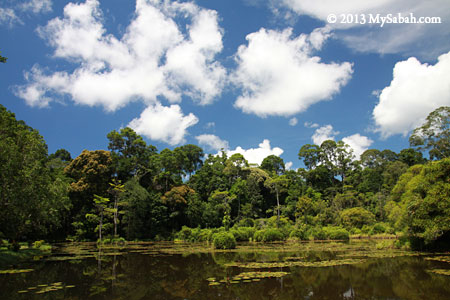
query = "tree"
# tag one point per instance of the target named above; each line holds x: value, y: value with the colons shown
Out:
x: 189, y: 158
x: 116, y: 188
x: 130, y: 154
x: 28, y: 206
x: 101, y: 204
x: 277, y: 185
x: 356, y: 217
x: 3, y: 59
x: 310, y: 155
x: 273, y: 165
x: 91, y: 173
x: 423, y: 194
x: 434, y: 134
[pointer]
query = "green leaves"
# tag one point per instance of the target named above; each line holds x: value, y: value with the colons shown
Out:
x: 434, y: 134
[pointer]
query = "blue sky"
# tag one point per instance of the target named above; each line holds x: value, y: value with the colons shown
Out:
x: 250, y: 76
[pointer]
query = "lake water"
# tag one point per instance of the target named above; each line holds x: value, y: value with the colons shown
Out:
x: 355, y: 270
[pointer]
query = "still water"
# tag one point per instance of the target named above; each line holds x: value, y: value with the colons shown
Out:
x: 356, y: 270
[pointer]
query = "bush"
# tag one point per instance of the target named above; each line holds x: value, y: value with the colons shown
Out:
x: 336, y: 233
x: 318, y: 233
x: 378, y: 228
x: 300, y: 232
x: 184, y: 234
x: 272, y: 234
x: 246, y: 222
x: 224, y: 240
x: 38, y: 244
x: 258, y: 236
x: 243, y: 234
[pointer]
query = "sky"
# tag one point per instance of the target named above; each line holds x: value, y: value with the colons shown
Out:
x: 246, y: 76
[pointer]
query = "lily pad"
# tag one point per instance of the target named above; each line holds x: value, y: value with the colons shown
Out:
x: 16, y: 271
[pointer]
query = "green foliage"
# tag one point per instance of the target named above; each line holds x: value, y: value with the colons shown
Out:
x: 243, y: 234
x: 271, y: 235
x: 224, y: 240
x: 423, y: 194
x: 3, y: 59
x: 300, y: 232
x: 434, y: 134
x: 336, y: 233
x: 356, y: 217
x: 318, y: 233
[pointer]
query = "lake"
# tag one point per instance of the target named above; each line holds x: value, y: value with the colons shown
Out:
x: 166, y: 270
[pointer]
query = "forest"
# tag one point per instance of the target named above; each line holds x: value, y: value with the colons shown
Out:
x: 134, y: 191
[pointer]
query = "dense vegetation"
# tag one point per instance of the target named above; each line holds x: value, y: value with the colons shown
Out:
x: 137, y: 192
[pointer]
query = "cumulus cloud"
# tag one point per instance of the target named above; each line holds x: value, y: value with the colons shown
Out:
x: 257, y: 155
x: 288, y: 165
x: 324, y: 133
x: 37, y: 6
x: 154, y: 58
x: 279, y: 75
x: 293, y: 121
x: 358, y: 143
x: 415, y: 90
x: 166, y: 124
x: 212, y: 141
x: 14, y: 14
x: 311, y: 125
x: 8, y: 17
x: 415, y: 39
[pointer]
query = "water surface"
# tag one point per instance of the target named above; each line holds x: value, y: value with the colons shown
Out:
x: 355, y: 270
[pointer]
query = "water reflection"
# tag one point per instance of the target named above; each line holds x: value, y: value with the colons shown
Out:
x: 132, y: 274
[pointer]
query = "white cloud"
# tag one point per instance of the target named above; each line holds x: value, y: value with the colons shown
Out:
x: 37, y: 6
x: 279, y: 75
x: 288, y: 165
x: 154, y: 58
x: 8, y: 17
x: 293, y: 121
x: 166, y: 124
x: 257, y: 155
x: 358, y: 143
x: 427, y: 40
x: 212, y: 141
x: 311, y: 125
x: 416, y: 90
x: 324, y: 133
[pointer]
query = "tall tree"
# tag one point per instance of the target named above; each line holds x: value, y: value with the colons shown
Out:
x: 130, y: 154
x: 27, y: 203
x: 273, y: 165
x: 434, y: 134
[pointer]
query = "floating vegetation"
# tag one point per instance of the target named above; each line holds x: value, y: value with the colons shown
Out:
x: 440, y: 271
x: 45, y: 288
x: 317, y: 264
x: 439, y: 258
x: 16, y: 271
x: 246, y: 277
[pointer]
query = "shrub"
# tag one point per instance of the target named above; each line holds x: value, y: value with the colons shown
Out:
x: 224, y: 240
x: 300, y: 232
x: 378, y: 228
x: 243, y: 234
x: 336, y: 233
x: 38, y: 244
x: 258, y: 236
x: 272, y: 234
x: 184, y: 234
x: 318, y: 233
x: 246, y: 222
